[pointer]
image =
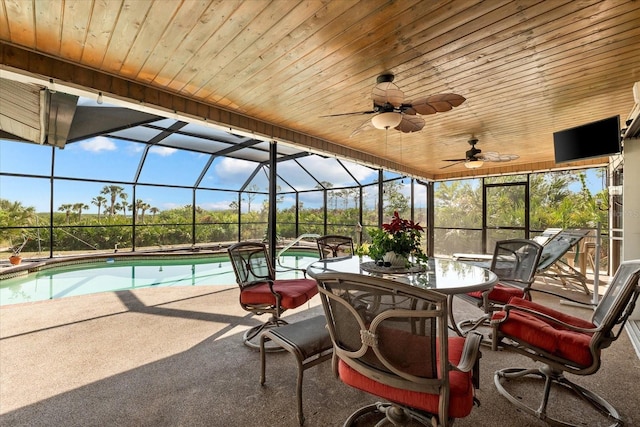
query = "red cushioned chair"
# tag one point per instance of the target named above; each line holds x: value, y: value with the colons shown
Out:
x: 564, y: 343
x: 390, y: 340
x: 332, y: 246
x: 260, y: 292
x: 514, y: 262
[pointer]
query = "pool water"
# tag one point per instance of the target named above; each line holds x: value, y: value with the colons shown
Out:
x: 119, y: 274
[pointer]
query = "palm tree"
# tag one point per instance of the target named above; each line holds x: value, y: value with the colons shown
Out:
x: 79, y: 207
x: 143, y: 208
x: 66, y: 208
x: 123, y: 197
x: 99, y: 201
x: 14, y: 214
x: 113, y: 191
x: 154, y: 211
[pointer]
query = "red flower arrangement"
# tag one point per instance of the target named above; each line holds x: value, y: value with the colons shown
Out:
x: 401, y: 236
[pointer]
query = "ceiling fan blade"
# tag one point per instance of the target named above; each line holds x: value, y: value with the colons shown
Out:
x: 410, y: 124
x: 492, y: 156
x: 437, y: 103
x: 453, y: 164
x: 387, y: 93
x: 363, y: 127
x: 357, y: 113
x: 455, y: 160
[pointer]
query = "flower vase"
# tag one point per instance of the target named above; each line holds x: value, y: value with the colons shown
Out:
x: 395, y: 259
x: 15, y: 259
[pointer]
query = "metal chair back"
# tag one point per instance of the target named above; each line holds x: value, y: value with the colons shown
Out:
x: 333, y: 245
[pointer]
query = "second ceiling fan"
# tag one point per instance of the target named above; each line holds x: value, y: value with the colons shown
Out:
x: 391, y: 110
x: 474, y: 158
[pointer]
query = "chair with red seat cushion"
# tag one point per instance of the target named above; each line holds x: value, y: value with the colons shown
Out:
x: 564, y: 343
x: 261, y: 292
x: 514, y: 262
x: 391, y: 340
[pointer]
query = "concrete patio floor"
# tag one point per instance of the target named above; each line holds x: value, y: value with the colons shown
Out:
x: 174, y: 357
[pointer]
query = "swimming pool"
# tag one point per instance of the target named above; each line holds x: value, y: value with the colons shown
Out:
x: 115, y: 274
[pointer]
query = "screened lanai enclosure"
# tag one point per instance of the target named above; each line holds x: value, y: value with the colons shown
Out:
x: 126, y: 180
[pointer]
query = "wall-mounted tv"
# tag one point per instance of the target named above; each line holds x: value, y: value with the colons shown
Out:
x: 596, y: 139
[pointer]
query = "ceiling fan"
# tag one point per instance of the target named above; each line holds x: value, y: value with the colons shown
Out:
x: 391, y: 111
x: 474, y: 158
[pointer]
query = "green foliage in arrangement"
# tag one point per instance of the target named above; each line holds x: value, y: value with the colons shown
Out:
x: 401, y: 236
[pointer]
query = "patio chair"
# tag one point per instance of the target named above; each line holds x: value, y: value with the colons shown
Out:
x: 261, y: 292
x: 552, y: 264
x: 390, y: 340
x: 333, y: 245
x: 484, y: 260
x: 564, y: 343
x: 514, y: 262
x: 546, y: 235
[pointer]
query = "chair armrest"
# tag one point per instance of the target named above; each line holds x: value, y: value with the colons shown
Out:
x: 470, y: 360
x: 508, y: 308
x: 470, y: 352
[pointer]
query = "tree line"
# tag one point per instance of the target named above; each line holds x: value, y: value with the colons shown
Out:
x: 458, y: 205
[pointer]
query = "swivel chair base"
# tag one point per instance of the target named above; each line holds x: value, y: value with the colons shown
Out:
x: 551, y: 376
x: 389, y: 414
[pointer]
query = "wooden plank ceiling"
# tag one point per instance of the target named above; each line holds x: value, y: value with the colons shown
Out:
x: 526, y: 68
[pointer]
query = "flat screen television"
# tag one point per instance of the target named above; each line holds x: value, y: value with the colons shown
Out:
x: 595, y: 139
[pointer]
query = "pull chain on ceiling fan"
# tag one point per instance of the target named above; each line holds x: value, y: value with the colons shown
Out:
x: 391, y: 111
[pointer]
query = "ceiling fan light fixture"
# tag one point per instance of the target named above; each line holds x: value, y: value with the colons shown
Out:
x: 473, y: 164
x: 386, y: 120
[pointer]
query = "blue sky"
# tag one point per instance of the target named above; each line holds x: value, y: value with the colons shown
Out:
x: 117, y: 160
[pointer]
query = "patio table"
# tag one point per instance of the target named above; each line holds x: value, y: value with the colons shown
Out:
x: 440, y: 274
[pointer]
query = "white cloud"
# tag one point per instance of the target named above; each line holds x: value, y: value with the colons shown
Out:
x: 216, y: 206
x: 97, y: 144
x: 361, y: 173
x: 230, y: 169
x: 162, y: 151
x: 134, y: 148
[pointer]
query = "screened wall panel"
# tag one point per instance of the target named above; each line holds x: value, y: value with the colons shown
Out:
x: 458, y: 204
x: 24, y: 217
x: 450, y: 241
x: 26, y: 159
x: 311, y: 212
x: 216, y: 217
